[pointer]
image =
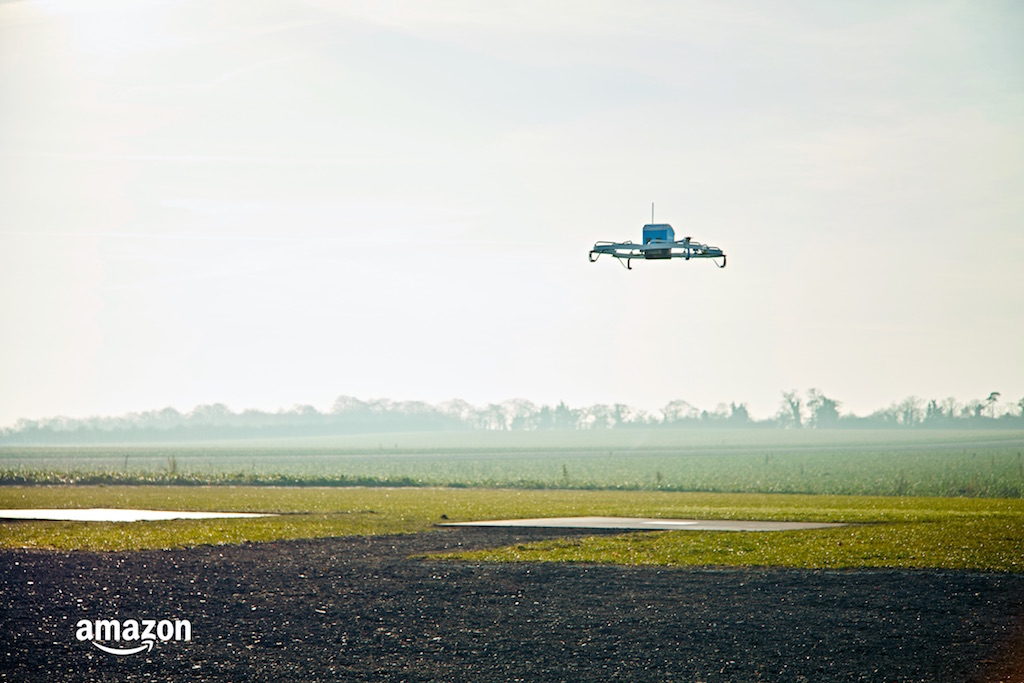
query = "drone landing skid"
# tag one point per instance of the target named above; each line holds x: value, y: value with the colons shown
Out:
x: 656, y: 249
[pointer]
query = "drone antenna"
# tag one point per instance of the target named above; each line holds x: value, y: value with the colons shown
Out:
x: 652, y: 213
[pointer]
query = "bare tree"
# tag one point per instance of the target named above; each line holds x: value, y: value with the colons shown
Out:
x: 790, y: 412
x: 622, y: 414
x: 824, y: 410
x: 909, y: 411
x: 493, y: 418
x: 738, y: 413
x: 972, y: 409
x: 519, y: 414
x: 950, y: 407
x: 677, y: 411
x: 992, y: 399
x: 597, y: 416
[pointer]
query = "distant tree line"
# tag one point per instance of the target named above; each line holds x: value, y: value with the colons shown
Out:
x: 819, y: 411
x: 348, y: 415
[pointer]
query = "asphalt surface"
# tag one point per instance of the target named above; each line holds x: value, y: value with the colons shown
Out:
x: 364, y: 609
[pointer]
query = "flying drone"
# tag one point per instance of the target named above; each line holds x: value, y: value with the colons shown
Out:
x: 659, y: 243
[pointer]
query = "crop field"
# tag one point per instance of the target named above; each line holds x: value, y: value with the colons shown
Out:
x: 894, y: 462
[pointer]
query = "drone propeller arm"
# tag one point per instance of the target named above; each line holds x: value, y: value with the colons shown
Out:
x: 657, y: 249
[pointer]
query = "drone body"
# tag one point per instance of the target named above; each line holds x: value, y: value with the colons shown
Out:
x: 659, y: 243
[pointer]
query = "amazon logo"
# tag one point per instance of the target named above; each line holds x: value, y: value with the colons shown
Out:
x: 135, y: 635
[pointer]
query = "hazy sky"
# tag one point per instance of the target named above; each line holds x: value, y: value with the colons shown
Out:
x: 266, y: 203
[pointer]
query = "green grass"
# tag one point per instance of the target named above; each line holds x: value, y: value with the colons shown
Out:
x: 307, y: 512
x: 975, y: 543
x: 886, y: 462
x: 936, y: 533
x: 916, y: 532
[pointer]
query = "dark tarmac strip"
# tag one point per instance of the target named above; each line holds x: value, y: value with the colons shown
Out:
x: 359, y: 609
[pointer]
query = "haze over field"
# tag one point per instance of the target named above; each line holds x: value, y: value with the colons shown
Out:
x: 269, y: 203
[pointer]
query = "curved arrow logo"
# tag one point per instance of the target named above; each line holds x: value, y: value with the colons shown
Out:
x: 148, y: 645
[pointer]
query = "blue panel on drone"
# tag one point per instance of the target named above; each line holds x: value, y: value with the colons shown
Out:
x: 659, y: 231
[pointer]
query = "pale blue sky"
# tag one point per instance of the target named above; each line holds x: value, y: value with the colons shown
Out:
x: 266, y: 203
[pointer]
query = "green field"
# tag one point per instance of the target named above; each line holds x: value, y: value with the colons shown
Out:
x: 914, y: 498
x: 917, y: 532
x: 841, y: 462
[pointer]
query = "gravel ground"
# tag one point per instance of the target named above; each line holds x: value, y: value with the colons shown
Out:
x: 359, y: 609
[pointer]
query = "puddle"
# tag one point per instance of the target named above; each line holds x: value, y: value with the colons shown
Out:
x: 645, y: 523
x: 118, y: 515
